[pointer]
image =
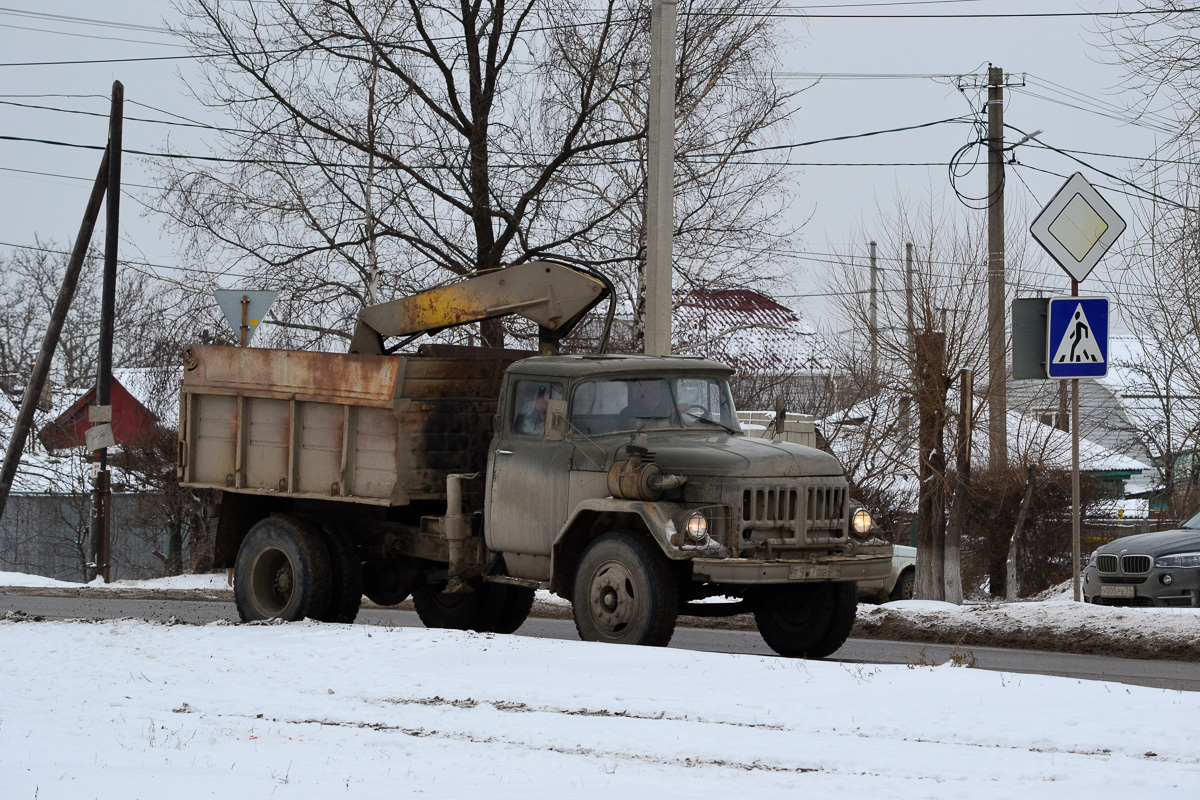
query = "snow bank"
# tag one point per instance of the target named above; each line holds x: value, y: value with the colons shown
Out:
x: 133, y: 709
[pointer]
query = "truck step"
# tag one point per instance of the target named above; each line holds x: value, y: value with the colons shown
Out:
x: 526, y: 582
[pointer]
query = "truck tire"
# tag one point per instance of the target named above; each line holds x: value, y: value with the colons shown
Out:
x: 388, y: 581
x: 460, y: 611
x: 806, y: 620
x: 347, y: 587
x: 903, y: 590
x: 515, y: 603
x: 624, y: 592
x: 282, y: 571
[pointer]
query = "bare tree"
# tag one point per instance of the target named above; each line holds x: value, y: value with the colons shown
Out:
x: 398, y: 144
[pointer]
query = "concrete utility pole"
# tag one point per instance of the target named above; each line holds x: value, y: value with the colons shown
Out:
x: 660, y: 178
x: 99, y: 542
x: 997, y: 372
x: 874, y: 315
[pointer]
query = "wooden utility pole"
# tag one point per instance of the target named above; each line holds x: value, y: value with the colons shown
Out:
x: 962, y: 491
x: 660, y: 178
x: 99, y: 544
x: 58, y: 316
x: 908, y: 294
x: 930, y: 393
x: 997, y: 373
x: 874, y: 332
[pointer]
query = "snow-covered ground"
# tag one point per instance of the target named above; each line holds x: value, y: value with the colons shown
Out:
x: 211, y: 582
x: 1053, y: 623
x: 131, y: 709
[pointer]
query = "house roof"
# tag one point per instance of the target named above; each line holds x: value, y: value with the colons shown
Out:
x: 872, y: 441
x: 746, y: 329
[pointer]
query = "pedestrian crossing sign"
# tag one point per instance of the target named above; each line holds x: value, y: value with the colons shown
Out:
x: 1077, y: 337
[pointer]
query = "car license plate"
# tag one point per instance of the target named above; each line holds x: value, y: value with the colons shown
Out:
x: 808, y: 572
x: 1116, y: 591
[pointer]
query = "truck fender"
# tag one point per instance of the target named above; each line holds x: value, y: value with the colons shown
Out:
x: 597, y: 516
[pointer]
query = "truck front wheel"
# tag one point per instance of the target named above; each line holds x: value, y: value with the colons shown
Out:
x: 806, y: 620
x: 282, y: 572
x: 624, y: 592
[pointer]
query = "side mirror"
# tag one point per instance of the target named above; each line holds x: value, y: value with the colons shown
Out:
x: 556, y: 420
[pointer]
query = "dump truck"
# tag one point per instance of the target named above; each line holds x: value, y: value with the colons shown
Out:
x: 470, y: 477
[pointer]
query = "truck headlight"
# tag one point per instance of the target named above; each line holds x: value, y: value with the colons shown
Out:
x: 862, y: 521
x: 696, y: 527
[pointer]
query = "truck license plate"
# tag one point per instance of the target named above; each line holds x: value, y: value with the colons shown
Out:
x: 1116, y: 591
x: 810, y: 572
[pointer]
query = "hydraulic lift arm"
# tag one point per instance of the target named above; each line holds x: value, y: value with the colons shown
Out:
x: 553, y: 295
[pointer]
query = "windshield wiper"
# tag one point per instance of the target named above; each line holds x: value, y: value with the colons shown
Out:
x: 710, y: 421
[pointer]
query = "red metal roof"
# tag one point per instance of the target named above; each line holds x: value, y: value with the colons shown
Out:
x: 130, y: 420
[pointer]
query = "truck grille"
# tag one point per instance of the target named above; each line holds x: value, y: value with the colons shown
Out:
x: 1136, y: 565
x: 771, y: 507
x: 1106, y: 563
x: 815, y: 514
x: 826, y: 507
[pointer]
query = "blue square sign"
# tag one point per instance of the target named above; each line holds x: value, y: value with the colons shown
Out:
x: 1077, y: 337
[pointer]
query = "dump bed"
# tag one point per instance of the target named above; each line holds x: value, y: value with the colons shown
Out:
x: 384, y: 430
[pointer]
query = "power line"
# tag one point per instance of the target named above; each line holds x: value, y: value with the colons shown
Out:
x: 1105, y: 173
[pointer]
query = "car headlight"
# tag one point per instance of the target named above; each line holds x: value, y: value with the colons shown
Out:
x: 1178, y: 560
x: 696, y: 527
x: 862, y: 521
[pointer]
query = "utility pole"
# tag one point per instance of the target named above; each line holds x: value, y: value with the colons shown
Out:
x: 874, y: 316
x: 660, y: 178
x: 99, y: 543
x: 997, y: 373
x: 58, y: 316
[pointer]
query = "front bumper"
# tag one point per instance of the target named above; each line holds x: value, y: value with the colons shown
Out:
x: 867, y: 565
x: 1146, y: 589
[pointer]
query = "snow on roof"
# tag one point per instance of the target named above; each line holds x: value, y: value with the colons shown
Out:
x: 879, y: 447
x: 156, y: 389
x: 746, y: 329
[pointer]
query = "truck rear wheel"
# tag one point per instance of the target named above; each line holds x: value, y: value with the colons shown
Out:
x: 515, y: 604
x: 624, y: 593
x: 282, y: 571
x: 347, y: 587
x: 461, y: 611
x: 388, y: 581
x: 806, y: 620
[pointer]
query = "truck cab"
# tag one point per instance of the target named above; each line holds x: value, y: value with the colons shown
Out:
x: 648, y: 451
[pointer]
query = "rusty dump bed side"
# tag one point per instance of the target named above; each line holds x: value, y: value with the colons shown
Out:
x: 383, y: 430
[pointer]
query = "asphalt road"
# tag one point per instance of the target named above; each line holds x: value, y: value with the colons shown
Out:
x: 1162, y: 674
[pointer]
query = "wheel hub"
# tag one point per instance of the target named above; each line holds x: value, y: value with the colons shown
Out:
x: 612, y: 599
x: 283, y: 581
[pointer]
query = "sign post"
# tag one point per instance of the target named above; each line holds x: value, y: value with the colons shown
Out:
x: 1077, y: 227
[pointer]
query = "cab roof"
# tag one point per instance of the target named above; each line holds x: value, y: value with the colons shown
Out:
x: 579, y: 366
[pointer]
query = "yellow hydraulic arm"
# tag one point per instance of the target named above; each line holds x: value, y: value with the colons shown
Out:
x: 553, y: 295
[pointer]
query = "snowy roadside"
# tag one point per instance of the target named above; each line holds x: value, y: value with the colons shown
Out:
x: 1055, y: 624
x: 126, y: 709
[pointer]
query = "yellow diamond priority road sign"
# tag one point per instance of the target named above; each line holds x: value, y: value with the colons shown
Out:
x: 1077, y: 227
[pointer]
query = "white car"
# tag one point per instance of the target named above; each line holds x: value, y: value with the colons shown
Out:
x: 898, y: 585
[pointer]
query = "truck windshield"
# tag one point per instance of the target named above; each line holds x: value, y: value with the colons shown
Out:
x: 612, y: 406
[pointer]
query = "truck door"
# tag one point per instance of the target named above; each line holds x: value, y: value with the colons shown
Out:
x: 528, y: 474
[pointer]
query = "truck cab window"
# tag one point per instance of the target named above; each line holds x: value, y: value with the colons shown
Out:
x: 529, y: 408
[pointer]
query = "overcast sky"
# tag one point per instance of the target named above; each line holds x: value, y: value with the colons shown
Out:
x: 1066, y: 84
